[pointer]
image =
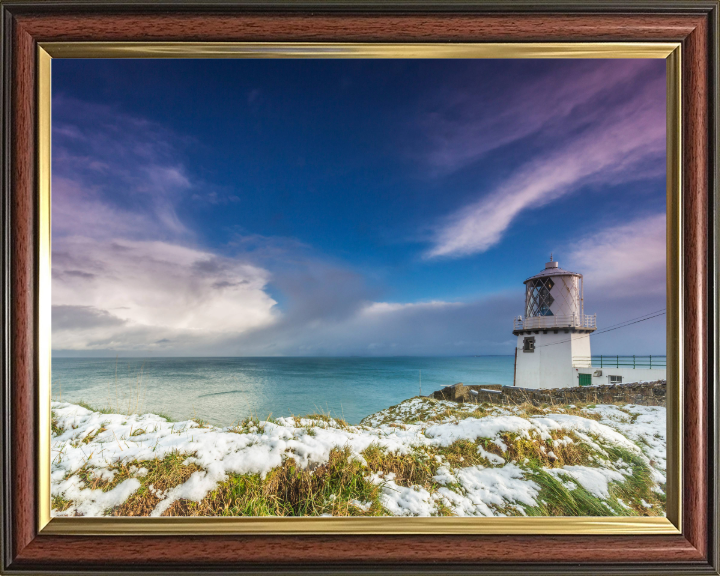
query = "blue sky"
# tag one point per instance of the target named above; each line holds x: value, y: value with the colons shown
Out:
x: 335, y: 207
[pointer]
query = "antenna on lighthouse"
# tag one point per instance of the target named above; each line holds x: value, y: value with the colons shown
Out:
x: 551, y: 257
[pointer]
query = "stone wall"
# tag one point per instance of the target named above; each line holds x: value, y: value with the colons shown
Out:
x: 645, y: 393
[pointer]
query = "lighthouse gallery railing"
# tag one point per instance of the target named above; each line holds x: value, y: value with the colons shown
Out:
x: 569, y: 321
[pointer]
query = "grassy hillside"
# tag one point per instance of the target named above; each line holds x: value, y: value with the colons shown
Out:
x: 423, y: 457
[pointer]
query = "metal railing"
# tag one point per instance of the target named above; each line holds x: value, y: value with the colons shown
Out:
x: 605, y: 361
x: 569, y: 321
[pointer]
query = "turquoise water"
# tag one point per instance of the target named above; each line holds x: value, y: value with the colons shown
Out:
x: 225, y: 390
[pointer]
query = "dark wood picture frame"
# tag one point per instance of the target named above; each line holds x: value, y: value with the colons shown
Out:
x: 694, y: 23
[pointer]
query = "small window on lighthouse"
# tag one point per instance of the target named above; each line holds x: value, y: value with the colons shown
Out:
x: 529, y: 344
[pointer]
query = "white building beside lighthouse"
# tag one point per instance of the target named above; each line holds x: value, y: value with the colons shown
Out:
x: 554, y: 332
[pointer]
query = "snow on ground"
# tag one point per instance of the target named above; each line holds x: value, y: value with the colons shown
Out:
x: 91, y: 444
x: 485, y: 488
x: 643, y: 425
x: 594, y: 480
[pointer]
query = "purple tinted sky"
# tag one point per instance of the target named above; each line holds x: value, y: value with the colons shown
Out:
x: 311, y: 207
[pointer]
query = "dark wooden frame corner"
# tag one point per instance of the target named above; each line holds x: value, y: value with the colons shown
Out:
x: 694, y: 23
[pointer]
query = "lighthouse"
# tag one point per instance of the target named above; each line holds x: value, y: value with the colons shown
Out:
x: 553, y: 336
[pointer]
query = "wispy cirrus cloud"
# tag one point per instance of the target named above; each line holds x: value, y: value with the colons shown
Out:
x: 115, y: 173
x: 466, y: 122
x: 609, y: 144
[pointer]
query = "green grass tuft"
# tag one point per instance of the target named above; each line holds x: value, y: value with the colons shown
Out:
x: 291, y: 491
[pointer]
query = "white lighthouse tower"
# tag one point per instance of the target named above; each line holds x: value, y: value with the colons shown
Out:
x: 553, y: 337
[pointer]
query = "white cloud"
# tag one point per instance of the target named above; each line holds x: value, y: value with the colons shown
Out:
x: 132, y: 294
x: 624, y: 260
x: 374, y: 308
x: 125, y: 274
x: 395, y: 329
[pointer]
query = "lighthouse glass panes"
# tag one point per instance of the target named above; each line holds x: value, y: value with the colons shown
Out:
x: 539, y: 299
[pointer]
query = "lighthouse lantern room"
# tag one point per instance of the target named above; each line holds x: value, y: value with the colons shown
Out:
x: 553, y: 338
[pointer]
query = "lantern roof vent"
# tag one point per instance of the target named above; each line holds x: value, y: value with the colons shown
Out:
x: 552, y: 268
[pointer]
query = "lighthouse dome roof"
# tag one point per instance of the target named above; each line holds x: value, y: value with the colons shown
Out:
x: 552, y: 269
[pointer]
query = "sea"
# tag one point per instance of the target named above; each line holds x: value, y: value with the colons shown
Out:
x: 224, y: 391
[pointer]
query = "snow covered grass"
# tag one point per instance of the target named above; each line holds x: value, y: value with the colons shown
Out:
x: 422, y: 457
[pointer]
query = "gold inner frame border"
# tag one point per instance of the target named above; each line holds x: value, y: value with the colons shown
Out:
x: 671, y: 524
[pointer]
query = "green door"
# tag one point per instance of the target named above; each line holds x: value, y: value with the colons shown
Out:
x: 585, y: 379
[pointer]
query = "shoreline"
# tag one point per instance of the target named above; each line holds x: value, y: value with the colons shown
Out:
x: 349, y: 388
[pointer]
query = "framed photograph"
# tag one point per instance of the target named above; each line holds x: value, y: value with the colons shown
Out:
x: 359, y: 288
